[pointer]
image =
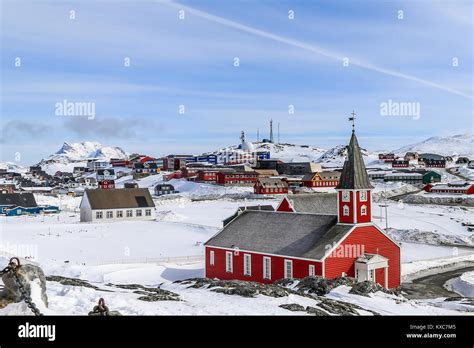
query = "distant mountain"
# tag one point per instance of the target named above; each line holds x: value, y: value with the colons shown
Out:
x: 71, y: 155
x: 456, y: 145
x: 12, y: 167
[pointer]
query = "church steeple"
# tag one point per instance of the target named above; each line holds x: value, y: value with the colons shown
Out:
x: 354, y: 188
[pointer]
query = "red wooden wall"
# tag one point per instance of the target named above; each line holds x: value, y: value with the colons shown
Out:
x: 374, y: 242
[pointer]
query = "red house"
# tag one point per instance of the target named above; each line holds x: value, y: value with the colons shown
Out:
x: 463, y: 188
x: 236, y: 178
x: 266, y: 246
x: 322, y: 179
x: 387, y: 157
x: 400, y: 164
x: 106, y: 184
x: 270, y: 186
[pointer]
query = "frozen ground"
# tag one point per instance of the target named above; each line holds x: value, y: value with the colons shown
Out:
x: 463, y: 285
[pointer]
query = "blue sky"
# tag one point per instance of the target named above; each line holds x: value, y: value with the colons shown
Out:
x: 190, y: 62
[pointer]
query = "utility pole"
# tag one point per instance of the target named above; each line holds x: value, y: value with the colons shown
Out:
x: 271, y: 131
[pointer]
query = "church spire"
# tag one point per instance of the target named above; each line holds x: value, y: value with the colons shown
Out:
x: 354, y: 175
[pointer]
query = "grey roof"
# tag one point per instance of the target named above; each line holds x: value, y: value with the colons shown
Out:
x: 244, y: 208
x: 120, y: 198
x: 25, y: 200
x: 354, y: 175
x: 431, y: 156
x: 318, y: 203
x: 289, y: 234
x: 272, y: 182
x: 266, y: 207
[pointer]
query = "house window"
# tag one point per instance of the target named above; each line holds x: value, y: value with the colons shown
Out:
x: 138, y: 212
x: 211, y: 257
x: 346, y: 196
x: 288, y: 269
x: 119, y: 213
x: 267, y: 268
x: 247, y: 264
x: 363, y: 196
x: 110, y: 214
x: 311, y: 270
x: 363, y: 210
x: 129, y: 213
x: 228, y: 261
x: 98, y: 215
x: 148, y: 212
x: 345, y: 210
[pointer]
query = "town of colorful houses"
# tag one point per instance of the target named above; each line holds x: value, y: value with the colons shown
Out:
x: 321, y: 204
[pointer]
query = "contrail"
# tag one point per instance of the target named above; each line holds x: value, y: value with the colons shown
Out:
x: 309, y: 47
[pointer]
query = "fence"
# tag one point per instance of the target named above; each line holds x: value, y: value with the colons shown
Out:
x: 155, y: 260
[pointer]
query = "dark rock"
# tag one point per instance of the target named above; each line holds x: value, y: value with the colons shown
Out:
x: 366, y: 287
x: 337, y: 307
x: 294, y: 307
x: 322, y: 286
x: 71, y: 281
x: 26, y: 274
x: 160, y: 295
x: 316, y: 311
x: 236, y: 287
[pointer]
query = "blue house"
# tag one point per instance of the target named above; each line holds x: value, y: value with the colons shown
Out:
x: 18, y: 204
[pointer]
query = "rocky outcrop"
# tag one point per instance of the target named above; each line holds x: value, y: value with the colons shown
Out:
x: 366, y: 287
x: 294, y: 307
x: 321, y: 286
x: 149, y: 294
x: 72, y: 282
x: 236, y: 287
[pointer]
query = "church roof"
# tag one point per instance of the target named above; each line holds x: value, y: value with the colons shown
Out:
x: 317, y: 203
x: 290, y: 234
x: 354, y: 175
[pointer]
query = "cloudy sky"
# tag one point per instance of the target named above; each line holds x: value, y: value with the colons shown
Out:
x: 329, y: 58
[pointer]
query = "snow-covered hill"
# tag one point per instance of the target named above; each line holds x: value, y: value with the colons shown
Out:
x: 12, y: 167
x: 76, y: 154
x: 284, y: 152
x: 456, y: 145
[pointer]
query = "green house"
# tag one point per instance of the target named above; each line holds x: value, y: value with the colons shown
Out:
x: 430, y: 177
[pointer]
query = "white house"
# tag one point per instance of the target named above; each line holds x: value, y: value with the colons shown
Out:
x: 117, y: 205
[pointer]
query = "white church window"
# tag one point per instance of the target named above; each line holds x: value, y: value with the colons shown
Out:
x: 345, y: 210
x: 288, y: 269
x: 346, y: 196
x: 363, y: 196
x: 267, y: 265
x: 247, y: 264
x: 110, y: 214
x: 311, y: 270
x: 98, y: 215
x: 211, y: 257
x: 228, y: 261
x: 363, y: 210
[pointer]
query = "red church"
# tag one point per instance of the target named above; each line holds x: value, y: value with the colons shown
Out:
x: 265, y: 246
